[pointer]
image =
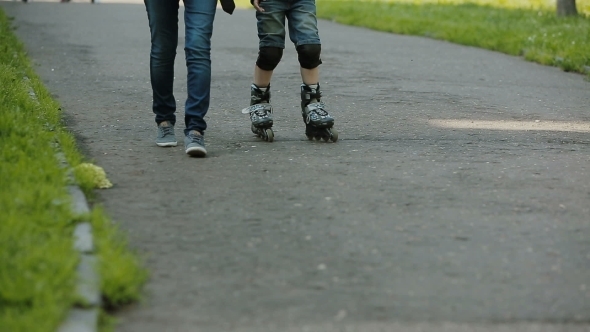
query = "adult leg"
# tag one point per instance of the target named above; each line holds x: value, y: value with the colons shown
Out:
x: 198, y: 17
x: 163, y: 22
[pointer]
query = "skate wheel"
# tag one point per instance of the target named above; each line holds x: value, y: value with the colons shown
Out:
x: 254, y: 129
x: 334, y: 135
x: 310, y: 137
x: 270, y: 135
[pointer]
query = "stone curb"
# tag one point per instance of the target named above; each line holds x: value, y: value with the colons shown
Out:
x: 83, y: 317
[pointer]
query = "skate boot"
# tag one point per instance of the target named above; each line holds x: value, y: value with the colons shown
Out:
x: 318, y: 123
x: 260, y: 112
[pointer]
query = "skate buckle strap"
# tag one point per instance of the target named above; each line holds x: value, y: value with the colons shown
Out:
x: 317, y: 107
x: 259, y: 109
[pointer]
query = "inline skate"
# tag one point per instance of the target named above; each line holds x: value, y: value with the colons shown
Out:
x: 260, y: 112
x: 318, y: 123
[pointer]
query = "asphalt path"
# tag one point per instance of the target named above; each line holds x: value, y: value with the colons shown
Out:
x: 457, y: 198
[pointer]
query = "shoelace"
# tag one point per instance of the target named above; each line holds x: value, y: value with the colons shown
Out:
x: 196, y: 138
x: 167, y: 131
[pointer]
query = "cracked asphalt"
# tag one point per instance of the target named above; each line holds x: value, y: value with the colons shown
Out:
x: 457, y: 198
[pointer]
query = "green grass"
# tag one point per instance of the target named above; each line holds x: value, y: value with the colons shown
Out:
x: 121, y: 272
x: 538, y: 35
x: 37, y: 260
x: 583, y: 6
x: 528, y: 28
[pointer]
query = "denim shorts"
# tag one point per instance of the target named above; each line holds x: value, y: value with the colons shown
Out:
x: 301, y: 20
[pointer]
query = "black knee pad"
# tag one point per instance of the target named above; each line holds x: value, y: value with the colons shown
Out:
x: 269, y: 57
x: 309, y: 55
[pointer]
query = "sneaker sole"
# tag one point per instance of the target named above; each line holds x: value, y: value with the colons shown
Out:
x: 196, y: 152
x: 167, y: 144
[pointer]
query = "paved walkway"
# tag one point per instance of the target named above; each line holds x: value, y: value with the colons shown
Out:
x: 457, y: 198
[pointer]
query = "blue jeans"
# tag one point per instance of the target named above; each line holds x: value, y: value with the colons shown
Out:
x: 302, y: 22
x: 163, y: 21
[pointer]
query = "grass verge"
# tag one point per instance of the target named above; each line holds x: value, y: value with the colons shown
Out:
x: 537, y: 35
x: 37, y: 259
x: 583, y: 6
x: 534, y: 31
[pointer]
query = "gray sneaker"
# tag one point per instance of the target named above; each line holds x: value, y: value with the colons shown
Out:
x: 166, y: 134
x: 194, y: 144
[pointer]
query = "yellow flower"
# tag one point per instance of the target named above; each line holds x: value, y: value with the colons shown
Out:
x: 93, y: 174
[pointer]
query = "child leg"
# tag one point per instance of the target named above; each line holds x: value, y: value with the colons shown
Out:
x: 271, y: 32
x: 310, y: 76
x: 260, y: 109
x: 303, y: 32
